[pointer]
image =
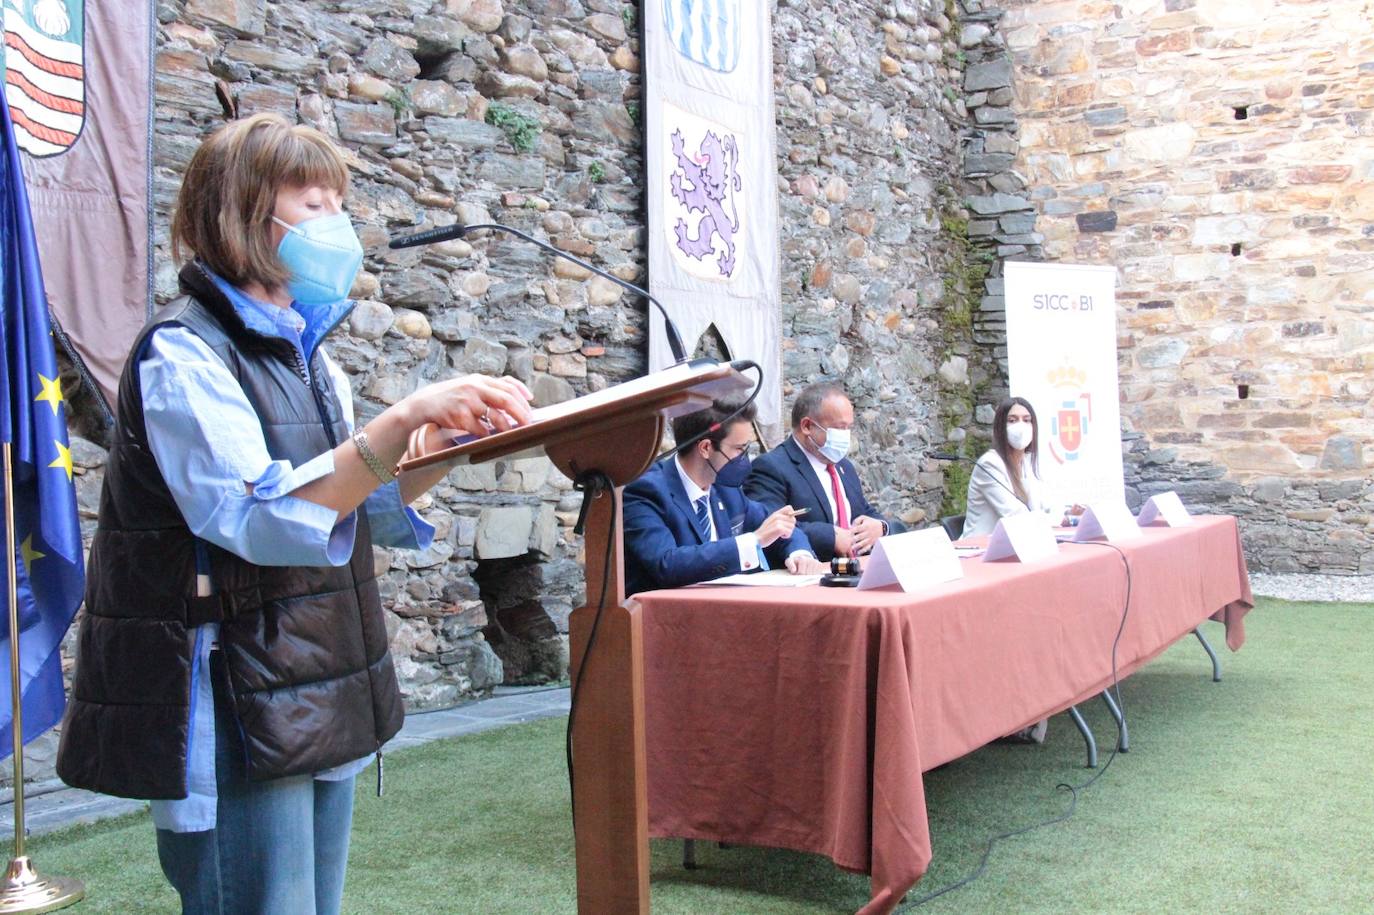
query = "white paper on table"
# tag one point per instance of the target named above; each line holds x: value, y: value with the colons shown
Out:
x: 913, y: 560
x: 1166, y: 505
x: 773, y: 578
x: 1110, y: 521
x: 1025, y: 536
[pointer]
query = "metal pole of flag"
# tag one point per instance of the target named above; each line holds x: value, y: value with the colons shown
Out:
x: 23, y: 889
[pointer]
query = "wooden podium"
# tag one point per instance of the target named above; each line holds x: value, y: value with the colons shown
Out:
x: 603, y: 441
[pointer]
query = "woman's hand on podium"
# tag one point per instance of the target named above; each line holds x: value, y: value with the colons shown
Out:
x: 474, y: 404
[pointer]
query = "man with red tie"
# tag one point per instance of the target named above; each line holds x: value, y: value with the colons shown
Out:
x: 810, y: 471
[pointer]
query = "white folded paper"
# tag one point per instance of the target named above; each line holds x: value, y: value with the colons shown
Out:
x: 773, y: 578
x: 1165, y: 505
x: 1025, y: 536
x: 1110, y: 521
x: 914, y: 560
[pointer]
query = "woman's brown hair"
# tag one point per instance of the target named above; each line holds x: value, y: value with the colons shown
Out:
x: 1004, y: 449
x: 224, y: 210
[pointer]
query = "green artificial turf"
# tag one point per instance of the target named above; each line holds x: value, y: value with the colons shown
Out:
x: 1249, y: 795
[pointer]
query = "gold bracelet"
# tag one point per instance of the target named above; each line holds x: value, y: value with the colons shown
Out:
x: 370, y: 458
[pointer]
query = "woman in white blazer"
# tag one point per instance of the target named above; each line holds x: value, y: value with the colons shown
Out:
x: 1006, y: 479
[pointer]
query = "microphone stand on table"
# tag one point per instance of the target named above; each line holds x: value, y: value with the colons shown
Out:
x: 458, y: 230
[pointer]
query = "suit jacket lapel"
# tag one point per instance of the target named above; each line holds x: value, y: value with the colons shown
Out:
x: 720, y: 515
x: 679, y: 496
x: 808, y: 473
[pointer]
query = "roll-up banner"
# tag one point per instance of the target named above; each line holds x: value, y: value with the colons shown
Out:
x: 1061, y: 356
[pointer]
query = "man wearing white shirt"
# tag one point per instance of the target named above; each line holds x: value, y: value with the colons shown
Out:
x: 811, y: 470
x: 686, y: 519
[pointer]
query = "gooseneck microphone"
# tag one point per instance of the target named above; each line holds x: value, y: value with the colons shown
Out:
x: 946, y: 456
x: 458, y: 230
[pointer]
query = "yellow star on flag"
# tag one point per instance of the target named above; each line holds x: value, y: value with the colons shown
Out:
x: 63, y: 459
x: 30, y: 554
x: 52, y: 391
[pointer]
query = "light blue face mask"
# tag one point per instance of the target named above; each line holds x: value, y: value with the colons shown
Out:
x: 323, y: 256
x: 837, y: 443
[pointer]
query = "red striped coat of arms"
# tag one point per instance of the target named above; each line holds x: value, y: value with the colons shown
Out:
x: 44, y: 70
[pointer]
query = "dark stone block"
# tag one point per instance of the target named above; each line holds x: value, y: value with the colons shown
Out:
x: 993, y: 74
x: 1018, y: 223
x: 1098, y: 221
x: 1303, y: 328
x: 987, y: 163
x: 1251, y: 179
x: 1101, y: 117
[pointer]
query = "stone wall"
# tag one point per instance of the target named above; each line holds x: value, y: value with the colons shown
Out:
x: 869, y: 111
x: 1217, y: 152
x: 920, y: 144
x: 999, y: 224
x: 529, y: 114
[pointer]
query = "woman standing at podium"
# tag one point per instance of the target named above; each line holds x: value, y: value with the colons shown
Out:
x: 232, y: 662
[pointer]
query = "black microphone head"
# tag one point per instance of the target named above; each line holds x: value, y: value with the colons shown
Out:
x: 429, y: 236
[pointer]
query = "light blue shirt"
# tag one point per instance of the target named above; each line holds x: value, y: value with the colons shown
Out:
x: 210, y: 449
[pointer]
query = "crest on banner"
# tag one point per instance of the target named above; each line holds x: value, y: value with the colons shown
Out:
x: 1073, y: 411
x: 705, y: 31
x: 705, y: 199
x: 45, y: 74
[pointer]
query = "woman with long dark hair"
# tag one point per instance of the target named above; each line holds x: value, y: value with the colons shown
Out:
x: 1006, y: 479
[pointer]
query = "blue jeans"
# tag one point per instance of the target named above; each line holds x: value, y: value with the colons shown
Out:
x: 279, y: 847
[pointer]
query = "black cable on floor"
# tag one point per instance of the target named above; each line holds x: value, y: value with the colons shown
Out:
x: 1062, y: 786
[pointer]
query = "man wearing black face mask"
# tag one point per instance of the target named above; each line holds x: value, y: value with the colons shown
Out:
x: 687, y: 520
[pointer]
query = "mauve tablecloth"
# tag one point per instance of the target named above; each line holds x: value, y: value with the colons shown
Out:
x: 803, y: 718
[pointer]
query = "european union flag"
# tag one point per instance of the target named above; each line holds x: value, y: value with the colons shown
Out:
x: 47, y: 542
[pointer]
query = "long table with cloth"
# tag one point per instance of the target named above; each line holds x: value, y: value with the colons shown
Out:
x: 803, y: 718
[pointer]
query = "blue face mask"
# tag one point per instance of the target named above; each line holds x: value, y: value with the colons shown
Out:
x: 733, y: 471
x: 323, y: 256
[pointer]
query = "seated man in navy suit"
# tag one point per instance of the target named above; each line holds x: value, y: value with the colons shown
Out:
x: 686, y: 519
x: 809, y: 470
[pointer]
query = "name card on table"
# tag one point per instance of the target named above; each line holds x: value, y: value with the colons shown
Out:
x: 913, y: 560
x: 1025, y: 536
x: 1110, y: 521
x: 1166, y: 506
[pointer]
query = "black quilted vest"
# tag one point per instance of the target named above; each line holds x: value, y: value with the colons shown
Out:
x: 305, y: 648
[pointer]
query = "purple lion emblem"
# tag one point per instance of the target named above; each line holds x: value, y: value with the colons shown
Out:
x: 714, y: 177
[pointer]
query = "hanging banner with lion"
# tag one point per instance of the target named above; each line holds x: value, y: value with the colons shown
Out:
x: 712, y: 180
